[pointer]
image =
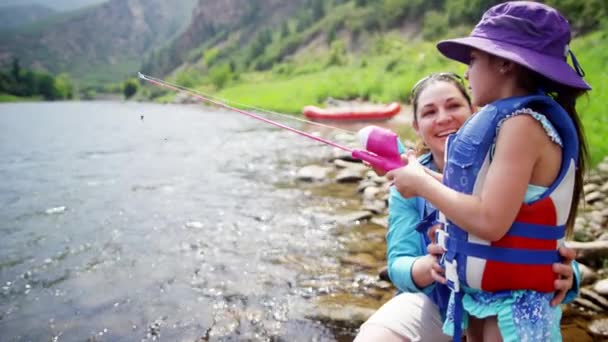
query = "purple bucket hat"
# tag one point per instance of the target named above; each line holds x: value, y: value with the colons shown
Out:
x: 528, y: 33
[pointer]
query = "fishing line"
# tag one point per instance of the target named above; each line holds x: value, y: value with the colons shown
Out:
x: 242, y: 105
x: 222, y: 104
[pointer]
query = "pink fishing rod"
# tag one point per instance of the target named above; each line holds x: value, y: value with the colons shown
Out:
x: 382, y: 145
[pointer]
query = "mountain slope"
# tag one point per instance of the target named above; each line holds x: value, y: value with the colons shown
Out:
x: 57, y: 5
x: 100, y: 43
x: 12, y: 17
x: 230, y: 23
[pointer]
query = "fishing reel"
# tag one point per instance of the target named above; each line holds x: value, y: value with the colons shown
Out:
x: 383, y: 148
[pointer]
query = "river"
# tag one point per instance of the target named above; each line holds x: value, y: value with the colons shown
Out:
x: 123, y: 221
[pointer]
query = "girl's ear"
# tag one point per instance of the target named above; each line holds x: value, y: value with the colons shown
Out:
x: 506, y: 66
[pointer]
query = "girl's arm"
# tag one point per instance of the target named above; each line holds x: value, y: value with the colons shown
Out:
x: 489, y: 214
x: 438, y: 176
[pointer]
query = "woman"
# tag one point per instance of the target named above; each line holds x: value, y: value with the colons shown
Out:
x: 440, y: 105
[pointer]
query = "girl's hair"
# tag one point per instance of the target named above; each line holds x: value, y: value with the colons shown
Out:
x: 424, y: 83
x: 566, y: 97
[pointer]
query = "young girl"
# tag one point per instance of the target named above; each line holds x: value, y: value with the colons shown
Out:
x: 512, y: 176
x: 440, y: 106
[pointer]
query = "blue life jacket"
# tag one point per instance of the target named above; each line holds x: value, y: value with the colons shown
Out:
x: 499, y: 265
x: 440, y: 294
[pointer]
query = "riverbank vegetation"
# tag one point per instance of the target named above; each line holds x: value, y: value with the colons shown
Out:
x: 369, y: 50
x: 385, y: 71
x: 18, y: 84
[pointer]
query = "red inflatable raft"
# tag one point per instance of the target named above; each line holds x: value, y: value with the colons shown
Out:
x: 366, y: 112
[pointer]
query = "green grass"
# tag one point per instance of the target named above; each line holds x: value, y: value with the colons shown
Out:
x: 380, y: 78
x: 12, y: 98
x: 592, y: 55
x: 388, y: 77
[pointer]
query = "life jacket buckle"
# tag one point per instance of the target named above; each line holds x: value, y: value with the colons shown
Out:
x: 441, y: 236
x: 451, y: 274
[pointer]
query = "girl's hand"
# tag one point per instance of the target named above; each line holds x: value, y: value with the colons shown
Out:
x: 408, y: 179
x: 380, y: 171
x: 565, y: 275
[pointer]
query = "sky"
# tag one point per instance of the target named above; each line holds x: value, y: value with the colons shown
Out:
x: 59, y: 5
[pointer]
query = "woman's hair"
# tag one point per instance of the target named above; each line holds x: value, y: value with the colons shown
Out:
x: 424, y: 83
x: 566, y: 97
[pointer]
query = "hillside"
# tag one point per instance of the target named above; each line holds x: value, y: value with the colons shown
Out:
x: 103, y: 43
x: 373, y: 50
x: 13, y: 17
x: 56, y: 5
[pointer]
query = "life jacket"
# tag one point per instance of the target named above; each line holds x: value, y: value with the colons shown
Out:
x: 440, y: 294
x: 523, y: 258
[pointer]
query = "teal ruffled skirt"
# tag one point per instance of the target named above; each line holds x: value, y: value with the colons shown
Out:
x: 522, y: 315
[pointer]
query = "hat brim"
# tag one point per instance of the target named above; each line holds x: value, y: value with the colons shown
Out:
x: 555, y: 69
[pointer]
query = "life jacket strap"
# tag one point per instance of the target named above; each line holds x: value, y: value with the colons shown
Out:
x: 503, y: 254
x: 537, y: 231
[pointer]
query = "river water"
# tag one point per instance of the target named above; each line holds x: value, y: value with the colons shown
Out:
x: 184, y: 224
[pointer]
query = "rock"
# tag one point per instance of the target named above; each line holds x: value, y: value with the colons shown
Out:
x: 365, y: 184
x: 384, y: 284
x: 604, y: 188
x: 603, y: 167
x: 343, y: 155
x: 383, y: 273
x: 593, y: 177
x: 605, y: 211
x: 593, y: 197
x: 587, y: 304
x: 342, y: 164
x: 594, y: 297
x: 373, y: 176
x: 601, y: 287
x: 370, y: 193
x: 595, y: 228
x: 588, y: 276
x: 344, y: 315
x: 596, y: 216
x: 354, y: 217
x: 312, y: 173
x: 603, y: 237
x: 590, y: 187
x: 376, y: 206
x: 599, y: 327
x: 361, y: 259
x: 380, y: 221
x: 348, y: 176
x: 588, y: 250
x: 182, y: 98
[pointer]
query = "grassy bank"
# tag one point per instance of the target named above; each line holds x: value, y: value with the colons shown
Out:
x: 390, y: 74
x: 12, y: 98
x: 593, y: 56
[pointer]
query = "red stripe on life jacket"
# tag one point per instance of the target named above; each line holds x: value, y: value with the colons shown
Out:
x: 534, y: 277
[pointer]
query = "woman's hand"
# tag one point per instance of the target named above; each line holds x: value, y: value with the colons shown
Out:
x: 437, y: 272
x: 436, y: 251
x: 408, y: 179
x: 565, y: 275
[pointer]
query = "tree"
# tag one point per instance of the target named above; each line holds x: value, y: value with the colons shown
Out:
x: 220, y: 75
x: 130, y: 87
x: 16, y: 70
x: 284, y: 29
x: 318, y: 9
x: 63, y: 86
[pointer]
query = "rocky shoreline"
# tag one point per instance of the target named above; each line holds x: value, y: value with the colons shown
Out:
x: 586, y: 315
